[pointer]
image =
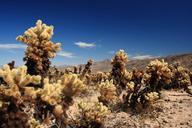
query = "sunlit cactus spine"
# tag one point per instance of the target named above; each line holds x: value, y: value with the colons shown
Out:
x: 40, y: 48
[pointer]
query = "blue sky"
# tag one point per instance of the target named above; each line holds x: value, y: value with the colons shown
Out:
x: 97, y: 28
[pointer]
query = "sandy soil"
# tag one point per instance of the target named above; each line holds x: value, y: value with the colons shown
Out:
x: 173, y: 110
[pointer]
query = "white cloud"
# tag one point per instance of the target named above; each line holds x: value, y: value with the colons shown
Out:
x: 12, y: 46
x: 141, y: 57
x: 85, y: 44
x: 111, y: 52
x: 66, y: 54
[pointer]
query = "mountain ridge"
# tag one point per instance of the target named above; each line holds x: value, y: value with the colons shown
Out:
x: 105, y: 65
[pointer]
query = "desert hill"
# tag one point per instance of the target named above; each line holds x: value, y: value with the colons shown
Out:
x: 105, y: 65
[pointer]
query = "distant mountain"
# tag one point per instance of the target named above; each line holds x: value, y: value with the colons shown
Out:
x: 105, y: 65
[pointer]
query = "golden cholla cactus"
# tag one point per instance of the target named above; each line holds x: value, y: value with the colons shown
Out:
x: 120, y: 60
x: 39, y: 48
x: 151, y: 96
x: 127, y: 76
x: 108, y: 92
x: 72, y: 85
x: 87, y: 69
x: 15, y: 80
x: 51, y: 93
x: 181, y: 77
x: 33, y: 123
x: 120, y: 56
x: 159, y: 73
x: 99, y: 77
x: 91, y: 114
x: 119, y: 72
x: 130, y: 86
x: 13, y: 95
x: 54, y: 93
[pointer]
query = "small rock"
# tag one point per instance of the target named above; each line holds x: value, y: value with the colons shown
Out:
x: 175, y: 105
x: 165, y: 121
x: 172, y: 112
x: 167, y: 99
x: 180, y: 101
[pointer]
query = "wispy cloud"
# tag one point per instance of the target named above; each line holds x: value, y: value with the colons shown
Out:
x: 66, y: 54
x: 85, y: 44
x: 111, y: 52
x: 141, y: 57
x: 12, y: 46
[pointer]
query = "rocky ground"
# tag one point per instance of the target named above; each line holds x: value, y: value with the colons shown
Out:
x: 173, y: 110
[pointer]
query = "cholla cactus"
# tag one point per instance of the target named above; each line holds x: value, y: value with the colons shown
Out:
x: 108, y: 92
x: 99, y: 77
x: 72, y: 85
x: 181, y: 77
x: 39, y: 48
x: 13, y: 95
x: 132, y: 95
x: 130, y: 86
x: 54, y: 74
x: 137, y: 76
x: 151, y: 96
x: 119, y: 73
x: 87, y: 69
x: 159, y: 74
x: 120, y: 60
x: 33, y: 123
x: 11, y: 64
x: 190, y: 74
x: 61, y: 92
x: 51, y: 93
x: 13, y: 119
x: 91, y: 114
x: 75, y: 70
x: 16, y: 80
